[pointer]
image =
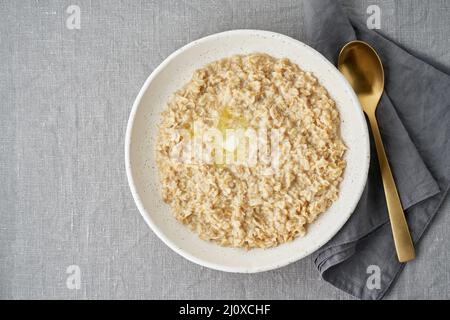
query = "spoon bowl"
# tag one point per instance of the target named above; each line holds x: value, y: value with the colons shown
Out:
x: 362, y: 67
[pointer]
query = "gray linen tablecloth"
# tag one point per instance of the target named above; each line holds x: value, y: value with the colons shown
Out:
x: 66, y: 95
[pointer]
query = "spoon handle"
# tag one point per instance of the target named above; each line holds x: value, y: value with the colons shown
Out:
x: 400, y: 231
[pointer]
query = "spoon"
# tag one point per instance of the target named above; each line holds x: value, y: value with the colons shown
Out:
x: 362, y: 67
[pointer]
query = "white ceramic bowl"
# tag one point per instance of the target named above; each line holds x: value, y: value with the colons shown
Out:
x: 175, y: 71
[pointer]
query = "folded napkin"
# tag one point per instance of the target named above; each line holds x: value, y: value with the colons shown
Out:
x: 414, y: 120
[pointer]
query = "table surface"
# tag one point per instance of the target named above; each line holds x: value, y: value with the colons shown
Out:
x: 64, y: 197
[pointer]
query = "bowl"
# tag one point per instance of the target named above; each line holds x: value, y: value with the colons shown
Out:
x: 141, y: 134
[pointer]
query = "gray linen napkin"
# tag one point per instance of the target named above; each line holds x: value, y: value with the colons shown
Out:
x: 414, y: 120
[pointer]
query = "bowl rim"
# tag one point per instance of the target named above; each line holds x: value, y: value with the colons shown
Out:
x: 147, y: 217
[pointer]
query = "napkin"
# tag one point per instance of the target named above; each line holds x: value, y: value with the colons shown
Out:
x: 414, y: 120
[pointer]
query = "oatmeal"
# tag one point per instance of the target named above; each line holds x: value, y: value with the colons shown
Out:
x: 241, y: 194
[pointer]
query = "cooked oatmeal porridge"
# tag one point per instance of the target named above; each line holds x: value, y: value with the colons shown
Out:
x: 292, y: 178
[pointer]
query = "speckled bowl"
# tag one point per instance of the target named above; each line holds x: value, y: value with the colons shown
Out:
x: 141, y: 170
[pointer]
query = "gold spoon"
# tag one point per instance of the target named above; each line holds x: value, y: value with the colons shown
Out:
x: 362, y: 67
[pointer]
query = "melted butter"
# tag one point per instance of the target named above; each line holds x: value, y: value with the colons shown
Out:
x: 228, y: 121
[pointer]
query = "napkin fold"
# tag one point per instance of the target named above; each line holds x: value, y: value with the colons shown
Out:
x: 414, y: 120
